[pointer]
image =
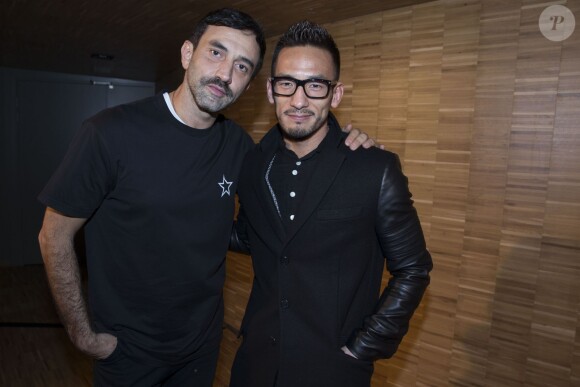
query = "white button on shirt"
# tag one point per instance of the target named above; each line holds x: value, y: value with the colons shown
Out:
x: 288, y: 179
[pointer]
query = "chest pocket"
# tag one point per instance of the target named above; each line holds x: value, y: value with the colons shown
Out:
x: 339, y: 213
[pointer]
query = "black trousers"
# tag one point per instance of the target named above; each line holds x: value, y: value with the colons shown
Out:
x: 119, y: 370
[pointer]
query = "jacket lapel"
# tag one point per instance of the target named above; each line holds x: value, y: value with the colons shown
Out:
x: 268, y: 147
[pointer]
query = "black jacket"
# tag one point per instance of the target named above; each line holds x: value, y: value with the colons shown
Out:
x: 317, y: 284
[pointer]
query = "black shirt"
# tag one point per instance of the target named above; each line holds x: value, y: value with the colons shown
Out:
x: 289, y: 177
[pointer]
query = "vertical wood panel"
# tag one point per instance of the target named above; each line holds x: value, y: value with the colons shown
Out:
x: 460, y: 56
x: 366, y: 71
x: 495, y: 82
x: 419, y: 162
x: 555, y: 320
x: 344, y: 37
x: 394, y: 80
x: 527, y: 173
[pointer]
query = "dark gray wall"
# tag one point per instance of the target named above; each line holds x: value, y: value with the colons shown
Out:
x: 39, y: 115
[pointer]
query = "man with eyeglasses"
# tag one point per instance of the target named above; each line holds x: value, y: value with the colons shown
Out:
x: 320, y: 222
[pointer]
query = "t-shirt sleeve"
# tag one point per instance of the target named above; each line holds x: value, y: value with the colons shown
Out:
x: 84, y: 177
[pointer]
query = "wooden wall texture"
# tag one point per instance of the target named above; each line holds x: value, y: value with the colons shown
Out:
x: 484, y: 112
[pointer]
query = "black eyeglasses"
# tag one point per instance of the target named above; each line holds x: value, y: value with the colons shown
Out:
x: 314, y: 88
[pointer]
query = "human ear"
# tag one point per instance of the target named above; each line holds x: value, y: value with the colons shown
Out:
x: 186, y: 53
x: 337, y: 94
x: 269, y: 90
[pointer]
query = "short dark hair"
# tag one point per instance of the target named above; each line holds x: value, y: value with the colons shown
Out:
x: 307, y: 33
x: 232, y: 18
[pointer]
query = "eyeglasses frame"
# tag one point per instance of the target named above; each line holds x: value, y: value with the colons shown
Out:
x: 302, y: 83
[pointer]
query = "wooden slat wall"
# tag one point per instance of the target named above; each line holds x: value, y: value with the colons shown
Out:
x: 485, y: 115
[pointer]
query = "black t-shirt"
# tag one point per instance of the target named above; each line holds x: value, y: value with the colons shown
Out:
x: 159, y: 198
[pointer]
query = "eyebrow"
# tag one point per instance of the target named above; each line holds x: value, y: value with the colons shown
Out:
x: 218, y: 44
x: 315, y: 76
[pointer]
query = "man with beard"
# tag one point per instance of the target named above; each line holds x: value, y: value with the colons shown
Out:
x: 320, y: 221
x: 153, y: 184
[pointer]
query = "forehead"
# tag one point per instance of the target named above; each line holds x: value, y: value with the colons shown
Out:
x: 305, y: 61
x: 242, y: 43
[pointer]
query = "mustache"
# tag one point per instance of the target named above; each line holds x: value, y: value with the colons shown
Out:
x: 304, y: 112
x: 218, y: 82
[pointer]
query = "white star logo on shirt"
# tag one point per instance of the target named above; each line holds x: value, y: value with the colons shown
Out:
x: 225, y: 186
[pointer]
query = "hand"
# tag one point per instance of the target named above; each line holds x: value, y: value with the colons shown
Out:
x: 356, y: 138
x: 98, y: 345
x: 348, y: 352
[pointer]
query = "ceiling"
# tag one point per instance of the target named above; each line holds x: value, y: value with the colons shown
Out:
x: 142, y: 37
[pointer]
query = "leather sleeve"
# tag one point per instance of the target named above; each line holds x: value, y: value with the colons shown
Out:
x: 239, y: 236
x: 408, y: 261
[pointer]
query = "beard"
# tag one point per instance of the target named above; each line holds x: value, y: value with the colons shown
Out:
x: 208, y: 102
x: 303, y: 131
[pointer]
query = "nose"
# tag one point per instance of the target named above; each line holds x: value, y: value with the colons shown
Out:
x: 224, y: 72
x: 299, y: 99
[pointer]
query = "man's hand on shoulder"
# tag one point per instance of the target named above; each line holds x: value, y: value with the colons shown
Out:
x: 356, y: 138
